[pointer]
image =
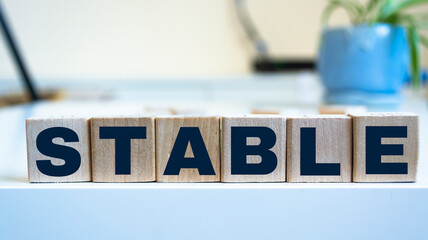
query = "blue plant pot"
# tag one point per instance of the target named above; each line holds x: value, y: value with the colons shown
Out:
x: 365, y: 64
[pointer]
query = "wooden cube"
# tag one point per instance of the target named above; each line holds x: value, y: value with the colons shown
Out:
x: 58, y: 150
x: 386, y: 147
x: 123, y: 149
x: 258, y: 125
x: 185, y: 142
x: 319, y: 149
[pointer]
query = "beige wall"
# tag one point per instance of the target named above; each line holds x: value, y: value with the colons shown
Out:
x: 129, y: 38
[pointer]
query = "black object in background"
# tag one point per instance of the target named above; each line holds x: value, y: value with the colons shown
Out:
x: 10, y: 41
x: 282, y: 65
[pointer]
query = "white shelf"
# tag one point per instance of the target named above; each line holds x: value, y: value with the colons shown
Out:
x: 200, y: 210
x: 213, y: 211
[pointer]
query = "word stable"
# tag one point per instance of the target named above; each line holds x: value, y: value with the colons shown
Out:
x: 366, y: 147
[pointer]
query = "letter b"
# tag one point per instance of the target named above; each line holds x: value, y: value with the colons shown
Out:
x: 240, y: 150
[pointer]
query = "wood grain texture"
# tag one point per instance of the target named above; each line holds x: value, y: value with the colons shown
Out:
x: 78, y: 125
x: 410, y: 145
x: 142, y: 151
x: 333, y: 145
x: 166, y: 133
x: 277, y: 124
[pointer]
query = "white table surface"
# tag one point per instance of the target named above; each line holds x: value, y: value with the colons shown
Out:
x: 203, y: 210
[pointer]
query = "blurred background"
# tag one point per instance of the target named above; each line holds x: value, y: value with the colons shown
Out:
x: 163, y: 57
x: 122, y: 39
x: 91, y: 44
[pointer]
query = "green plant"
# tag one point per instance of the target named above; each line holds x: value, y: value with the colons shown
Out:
x: 390, y: 12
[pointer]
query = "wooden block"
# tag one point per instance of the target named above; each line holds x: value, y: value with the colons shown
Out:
x: 371, y: 162
x: 341, y: 109
x: 274, y: 124
x: 265, y: 111
x: 328, y: 158
x: 137, y: 159
x: 171, y: 153
x: 52, y: 139
x: 187, y: 111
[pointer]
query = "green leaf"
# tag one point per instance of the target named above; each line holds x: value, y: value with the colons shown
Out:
x: 413, y: 38
x: 372, y: 9
x: 372, y: 4
x: 410, y: 20
x: 391, y: 7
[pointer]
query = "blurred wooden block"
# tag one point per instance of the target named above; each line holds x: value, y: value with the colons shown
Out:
x: 275, y: 123
x: 138, y: 150
x: 328, y: 158
x: 265, y: 111
x: 187, y: 111
x: 58, y: 150
x: 341, y: 109
x: 204, y: 128
x: 376, y: 135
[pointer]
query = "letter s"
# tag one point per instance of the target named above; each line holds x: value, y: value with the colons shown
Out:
x: 70, y: 155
